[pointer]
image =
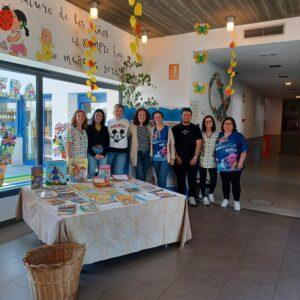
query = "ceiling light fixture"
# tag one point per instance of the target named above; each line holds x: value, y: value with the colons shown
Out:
x: 94, y: 9
x: 230, y: 24
x: 288, y: 83
x: 145, y: 37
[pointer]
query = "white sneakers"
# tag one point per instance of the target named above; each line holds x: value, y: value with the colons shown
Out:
x: 206, y: 201
x: 192, y: 201
x: 224, y: 203
x: 237, y: 205
x: 211, y: 198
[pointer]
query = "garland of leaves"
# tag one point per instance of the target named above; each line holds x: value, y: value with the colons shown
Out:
x: 136, y: 25
x: 131, y: 80
x: 90, y: 60
x: 231, y: 70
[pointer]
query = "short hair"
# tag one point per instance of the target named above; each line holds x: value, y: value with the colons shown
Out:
x: 103, y: 117
x: 213, y: 128
x: 118, y: 106
x: 136, y: 117
x: 233, y: 123
x: 186, y: 109
x: 157, y: 112
x: 73, y: 120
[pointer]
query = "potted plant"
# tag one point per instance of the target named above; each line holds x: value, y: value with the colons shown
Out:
x: 131, y: 82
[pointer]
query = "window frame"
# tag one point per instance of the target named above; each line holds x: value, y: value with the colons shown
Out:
x: 40, y: 74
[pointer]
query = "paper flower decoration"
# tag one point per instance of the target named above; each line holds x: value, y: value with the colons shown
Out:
x: 201, y: 58
x: 199, y: 88
x: 90, y: 61
x: 8, y: 141
x: 201, y: 28
x: 136, y: 25
x: 231, y: 70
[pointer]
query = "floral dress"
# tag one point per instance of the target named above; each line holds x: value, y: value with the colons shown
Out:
x: 79, y: 142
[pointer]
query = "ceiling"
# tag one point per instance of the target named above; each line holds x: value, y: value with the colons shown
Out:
x: 254, y: 69
x: 170, y: 17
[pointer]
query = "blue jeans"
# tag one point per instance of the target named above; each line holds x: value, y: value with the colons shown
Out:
x: 94, y: 164
x: 117, y: 162
x: 143, y: 164
x: 161, y: 169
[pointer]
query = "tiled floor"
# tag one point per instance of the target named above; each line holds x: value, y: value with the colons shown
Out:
x: 245, y: 255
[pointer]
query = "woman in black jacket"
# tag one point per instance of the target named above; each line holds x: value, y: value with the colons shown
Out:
x: 98, y: 142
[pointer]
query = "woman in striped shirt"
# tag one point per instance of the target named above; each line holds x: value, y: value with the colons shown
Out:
x: 140, y: 144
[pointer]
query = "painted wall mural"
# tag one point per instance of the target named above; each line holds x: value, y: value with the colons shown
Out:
x: 219, y: 110
x: 55, y: 32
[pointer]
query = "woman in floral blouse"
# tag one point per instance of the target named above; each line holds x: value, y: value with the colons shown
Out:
x: 77, y: 140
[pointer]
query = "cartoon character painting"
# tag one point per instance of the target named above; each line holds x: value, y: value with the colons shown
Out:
x: 14, y: 89
x: 56, y: 176
x: 46, y: 53
x: 3, y: 84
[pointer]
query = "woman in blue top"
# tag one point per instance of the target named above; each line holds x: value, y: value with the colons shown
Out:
x: 231, y: 152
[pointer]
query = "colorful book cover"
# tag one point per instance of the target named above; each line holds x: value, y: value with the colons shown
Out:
x: 67, y: 195
x: 146, y: 197
x: 88, y: 207
x: 104, y: 173
x: 36, y: 177
x: 56, y: 172
x: 78, y: 169
x: 66, y: 209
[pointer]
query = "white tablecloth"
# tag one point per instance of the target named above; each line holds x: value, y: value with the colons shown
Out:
x: 114, y: 230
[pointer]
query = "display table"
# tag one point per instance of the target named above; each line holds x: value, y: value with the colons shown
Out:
x: 114, y: 230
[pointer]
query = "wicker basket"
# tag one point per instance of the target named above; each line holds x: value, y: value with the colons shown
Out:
x: 54, y: 270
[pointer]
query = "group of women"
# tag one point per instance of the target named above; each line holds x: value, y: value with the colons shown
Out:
x: 162, y: 146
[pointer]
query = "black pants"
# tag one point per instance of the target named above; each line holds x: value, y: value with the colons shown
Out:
x: 234, y: 179
x: 213, y: 180
x: 183, y: 170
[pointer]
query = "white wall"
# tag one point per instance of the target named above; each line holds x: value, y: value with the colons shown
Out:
x: 273, y: 117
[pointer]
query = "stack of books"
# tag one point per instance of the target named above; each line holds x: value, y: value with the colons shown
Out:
x: 66, y: 209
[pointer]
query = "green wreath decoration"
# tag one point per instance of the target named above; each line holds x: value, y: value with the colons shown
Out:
x: 220, y: 112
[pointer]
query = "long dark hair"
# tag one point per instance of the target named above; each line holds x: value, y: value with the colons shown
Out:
x: 22, y: 19
x: 213, y: 128
x: 103, y: 117
x: 233, y: 123
x: 136, y: 117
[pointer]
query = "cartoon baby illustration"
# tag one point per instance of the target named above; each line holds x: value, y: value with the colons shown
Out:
x: 15, y: 39
x: 46, y: 53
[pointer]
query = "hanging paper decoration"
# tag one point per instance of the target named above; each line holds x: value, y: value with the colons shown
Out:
x: 90, y: 60
x: 136, y: 25
x: 199, y: 88
x: 7, y: 145
x: 201, y: 28
x: 201, y: 57
x: 231, y: 70
x: 29, y: 93
x: 59, y: 149
x: 3, y: 84
x: 14, y: 89
x: 6, y: 18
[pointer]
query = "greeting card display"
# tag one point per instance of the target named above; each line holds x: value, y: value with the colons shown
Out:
x: 56, y: 172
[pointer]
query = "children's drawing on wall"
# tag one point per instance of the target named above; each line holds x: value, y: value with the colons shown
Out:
x: 14, y: 42
x: 219, y: 110
x: 46, y: 52
x: 14, y: 89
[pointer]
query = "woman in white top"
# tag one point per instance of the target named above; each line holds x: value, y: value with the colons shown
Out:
x: 118, y: 129
x: 208, y: 160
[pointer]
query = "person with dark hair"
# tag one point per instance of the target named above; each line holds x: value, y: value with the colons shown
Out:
x: 231, y: 152
x: 208, y: 159
x: 162, y: 149
x: 140, y: 143
x: 118, y: 129
x: 76, y: 139
x: 188, y: 139
x: 15, y: 38
x: 98, y: 142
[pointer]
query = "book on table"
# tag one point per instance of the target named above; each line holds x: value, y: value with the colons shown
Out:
x: 78, y: 169
x: 56, y: 172
x: 36, y: 177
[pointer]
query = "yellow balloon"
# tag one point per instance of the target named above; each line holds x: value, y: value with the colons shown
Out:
x: 138, y: 9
